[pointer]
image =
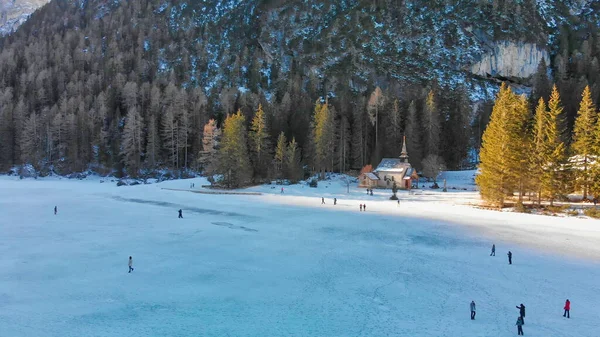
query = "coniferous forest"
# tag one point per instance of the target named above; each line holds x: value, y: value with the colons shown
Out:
x: 117, y: 88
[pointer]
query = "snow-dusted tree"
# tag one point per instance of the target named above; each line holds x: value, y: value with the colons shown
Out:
x: 131, y: 144
x: 433, y: 165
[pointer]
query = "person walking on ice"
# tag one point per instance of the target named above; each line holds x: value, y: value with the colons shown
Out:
x: 520, y: 325
x: 335, y: 201
x: 567, y: 313
x: 521, y: 312
x: 509, y: 257
x: 55, y: 210
x: 364, y: 207
x: 180, y: 214
x: 361, y: 207
x: 322, y: 201
x: 130, y: 264
x: 472, y: 309
x: 493, y: 253
x: 282, y: 190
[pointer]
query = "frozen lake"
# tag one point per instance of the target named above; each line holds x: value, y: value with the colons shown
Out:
x: 283, y: 265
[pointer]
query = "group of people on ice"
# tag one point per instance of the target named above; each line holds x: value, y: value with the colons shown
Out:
x: 521, y: 318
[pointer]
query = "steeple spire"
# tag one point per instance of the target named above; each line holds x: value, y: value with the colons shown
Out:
x: 404, y: 154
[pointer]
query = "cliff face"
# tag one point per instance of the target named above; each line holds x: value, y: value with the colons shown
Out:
x: 511, y: 59
x: 14, y: 12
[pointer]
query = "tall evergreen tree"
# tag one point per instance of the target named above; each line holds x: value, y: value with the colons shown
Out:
x: 234, y: 162
x: 376, y: 102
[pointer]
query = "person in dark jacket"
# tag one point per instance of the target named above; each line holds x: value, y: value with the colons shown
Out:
x: 364, y: 207
x: 493, y: 253
x: 180, y: 214
x: 55, y: 210
x: 521, y: 312
x: 322, y: 201
x: 567, y: 313
x: 472, y: 309
x: 519, y: 325
x: 509, y: 257
x: 335, y: 201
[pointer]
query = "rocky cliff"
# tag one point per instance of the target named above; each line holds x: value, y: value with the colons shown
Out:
x: 14, y: 12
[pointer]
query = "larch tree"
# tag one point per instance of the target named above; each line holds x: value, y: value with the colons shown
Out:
x: 584, y: 141
x: 30, y: 141
x: 131, y: 143
x: 538, y: 141
x: 431, y: 121
x: 293, y: 166
x: 412, y: 132
x: 376, y: 101
x: 260, y: 147
x: 207, y: 158
x: 234, y: 162
x: 502, y: 156
x: 393, y: 129
x: 323, y: 133
x: 280, y: 154
x: 554, y: 148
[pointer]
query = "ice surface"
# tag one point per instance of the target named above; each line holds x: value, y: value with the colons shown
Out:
x: 284, y: 265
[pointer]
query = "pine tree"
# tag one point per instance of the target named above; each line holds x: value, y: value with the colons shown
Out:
x: 431, y: 121
x: 234, y: 163
x: 293, y: 166
x: 583, y: 141
x: 280, y: 154
x: 260, y: 147
x: 554, y: 148
x: 413, y: 137
x: 131, y: 144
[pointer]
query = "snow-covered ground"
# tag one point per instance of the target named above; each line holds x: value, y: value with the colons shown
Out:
x: 285, y: 265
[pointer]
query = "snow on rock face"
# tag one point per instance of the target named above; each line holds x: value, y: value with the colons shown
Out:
x: 14, y: 12
x: 511, y: 59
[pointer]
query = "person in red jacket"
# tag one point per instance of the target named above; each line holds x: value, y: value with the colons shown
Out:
x: 567, y: 309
